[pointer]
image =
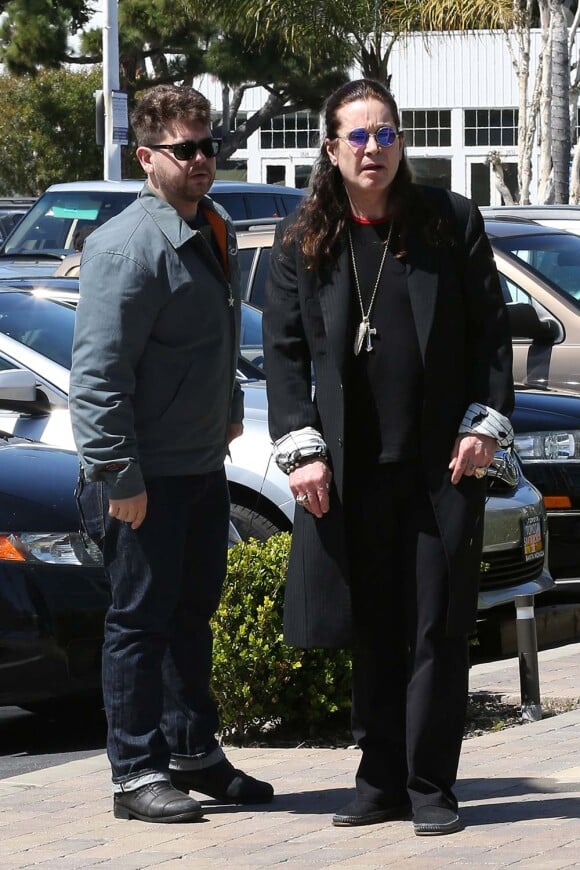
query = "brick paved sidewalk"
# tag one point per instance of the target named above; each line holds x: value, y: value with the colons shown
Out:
x: 519, y: 791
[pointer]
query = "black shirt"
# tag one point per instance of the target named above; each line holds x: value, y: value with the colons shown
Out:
x: 384, y: 394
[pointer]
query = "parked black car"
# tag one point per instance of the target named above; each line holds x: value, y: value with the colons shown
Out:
x: 53, y: 591
x: 547, y: 427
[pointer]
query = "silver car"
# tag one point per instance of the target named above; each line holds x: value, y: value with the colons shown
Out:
x: 35, y: 350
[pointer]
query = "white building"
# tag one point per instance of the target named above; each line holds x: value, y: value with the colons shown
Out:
x: 458, y: 95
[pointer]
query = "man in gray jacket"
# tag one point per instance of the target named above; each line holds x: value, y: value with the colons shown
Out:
x: 154, y: 404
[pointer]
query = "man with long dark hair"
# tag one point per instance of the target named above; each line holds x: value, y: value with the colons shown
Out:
x: 390, y: 293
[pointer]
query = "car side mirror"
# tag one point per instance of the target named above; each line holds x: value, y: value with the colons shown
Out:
x: 525, y: 323
x: 18, y: 392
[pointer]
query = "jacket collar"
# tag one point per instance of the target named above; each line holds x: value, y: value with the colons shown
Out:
x: 177, y: 231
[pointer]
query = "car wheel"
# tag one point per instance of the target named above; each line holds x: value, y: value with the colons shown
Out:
x: 250, y: 524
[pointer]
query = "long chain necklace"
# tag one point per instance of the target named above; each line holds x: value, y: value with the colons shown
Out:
x: 364, y: 329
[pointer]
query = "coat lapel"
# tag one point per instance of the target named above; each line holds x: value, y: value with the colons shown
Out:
x: 334, y: 295
x: 422, y: 279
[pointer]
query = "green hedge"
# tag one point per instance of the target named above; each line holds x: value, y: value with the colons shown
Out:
x: 262, y: 684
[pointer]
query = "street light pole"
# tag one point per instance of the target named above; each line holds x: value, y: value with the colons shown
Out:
x: 112, y: 150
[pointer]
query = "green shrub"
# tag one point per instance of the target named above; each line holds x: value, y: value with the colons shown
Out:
x: 260, y: 683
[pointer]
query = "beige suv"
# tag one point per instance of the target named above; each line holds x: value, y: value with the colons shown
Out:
x: 540, y: 274
x: 539, y: 269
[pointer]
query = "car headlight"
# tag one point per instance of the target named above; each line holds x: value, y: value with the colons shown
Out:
x: 53, y: 548
x: 548, y: 446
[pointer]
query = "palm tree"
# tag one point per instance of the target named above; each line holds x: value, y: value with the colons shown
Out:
x: 367, y: 28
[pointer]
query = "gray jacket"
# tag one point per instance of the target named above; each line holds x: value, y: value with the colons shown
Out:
x: 153, y: 379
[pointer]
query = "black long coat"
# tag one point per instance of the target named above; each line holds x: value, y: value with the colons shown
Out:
x: 465, y: 345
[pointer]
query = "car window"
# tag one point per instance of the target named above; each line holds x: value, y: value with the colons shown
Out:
x: 245, y: 259
x: 44, y: 325
x: 289, y: 202
x: 8, y: 221
x: 257, y: 294
x: 554, y: 257
x: 6, y: 364
x: 512, y: 292
x: 263, y: 205
x: 59, y: 220
x: 251, y: 332
x: 243, y: 205
x: 233, y: 203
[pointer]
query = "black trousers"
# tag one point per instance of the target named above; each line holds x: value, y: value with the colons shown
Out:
x: 410, y: 680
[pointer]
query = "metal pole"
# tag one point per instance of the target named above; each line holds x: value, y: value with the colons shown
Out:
x: 528, y: 658
x: 112, y: 152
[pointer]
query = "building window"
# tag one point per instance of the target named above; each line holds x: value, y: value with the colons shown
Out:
x: 427, y: 128
x: 435, y: 171
x: 295, y: 130
x: 233, y: 170
x: 491, y: 127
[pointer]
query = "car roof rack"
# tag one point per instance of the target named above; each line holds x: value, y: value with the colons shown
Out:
x: 7, y: 202
x: 257, y: 223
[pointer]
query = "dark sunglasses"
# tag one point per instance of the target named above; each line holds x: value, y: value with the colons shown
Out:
x: 358, y: 138
x: 187, y: 150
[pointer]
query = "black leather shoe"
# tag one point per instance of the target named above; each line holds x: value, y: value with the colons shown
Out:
x: 361, y: 812
x: 156, y: 802
x: 433, y: 821
x: 224, y: 783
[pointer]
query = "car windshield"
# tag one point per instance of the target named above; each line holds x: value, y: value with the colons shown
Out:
x: 554, y: 256
x: 47, y: 327
x: 59, y: 222
x: 44, y: 325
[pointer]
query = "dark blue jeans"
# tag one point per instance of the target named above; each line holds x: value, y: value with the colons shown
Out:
x: 166, y: 580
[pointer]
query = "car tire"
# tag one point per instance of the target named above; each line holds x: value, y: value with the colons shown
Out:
x: 250, y: 524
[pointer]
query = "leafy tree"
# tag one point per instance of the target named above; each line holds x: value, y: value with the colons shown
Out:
x: 367, y: 29
x: 47, y: 130
x: 35, y: 32
x: 164, y: 41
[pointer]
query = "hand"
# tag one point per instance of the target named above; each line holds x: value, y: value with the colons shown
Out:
x: 234, y: 431
x: 469, y: 453
x: 129, y: 510
x: 312, y: 478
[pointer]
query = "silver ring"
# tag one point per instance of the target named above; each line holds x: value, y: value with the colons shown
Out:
x: 302, y: 499
x: 480, y: 472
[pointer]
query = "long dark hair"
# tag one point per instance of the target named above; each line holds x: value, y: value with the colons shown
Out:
x: 323, y: 216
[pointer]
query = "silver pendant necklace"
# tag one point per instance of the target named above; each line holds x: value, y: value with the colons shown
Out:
x: 364, y: 329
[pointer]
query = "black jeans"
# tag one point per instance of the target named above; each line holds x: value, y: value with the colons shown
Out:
x: 410, y: 680
x: 166, y: 580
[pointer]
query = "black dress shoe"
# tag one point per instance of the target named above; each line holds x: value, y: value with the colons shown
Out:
x: 156, y: 802
x: 224, y: 783
x: 431, y: 821
x: 362, y: 812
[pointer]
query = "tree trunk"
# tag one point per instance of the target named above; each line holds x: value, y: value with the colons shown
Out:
x: 575, y: 176
x: 234, y: 139
x: 545, y: 183
x: 494, y: 159
x: 527, y: 109
x: 560, y: 117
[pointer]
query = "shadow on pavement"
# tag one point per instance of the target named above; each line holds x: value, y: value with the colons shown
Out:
x: 31, y: 741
